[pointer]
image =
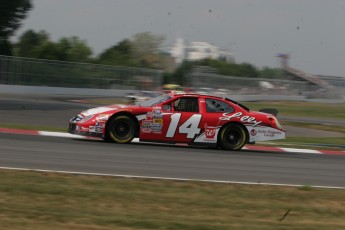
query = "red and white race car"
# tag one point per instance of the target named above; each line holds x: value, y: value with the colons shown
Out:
x: 180, y: 118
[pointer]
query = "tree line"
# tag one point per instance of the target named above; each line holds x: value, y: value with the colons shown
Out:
x: 142, y: 50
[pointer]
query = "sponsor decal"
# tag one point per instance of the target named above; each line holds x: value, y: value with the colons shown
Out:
x: 264, y: 133
x: 157, y: 112
x: 239, y: 115
x: 102, y: 117
x: 97, y: 129
x: 208, y: 136
x: 269, y: 133
x: 253, y: 132
x: 146, y: 130
x: 210, y: 132
x: 100, y: 124
x: 83, y: 129
x: 158, y: 121
x: 153, y: 122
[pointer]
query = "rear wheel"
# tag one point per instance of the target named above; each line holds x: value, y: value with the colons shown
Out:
x: 121, y: 129
x: 232, y: 137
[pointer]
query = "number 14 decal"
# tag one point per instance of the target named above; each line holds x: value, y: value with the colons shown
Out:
x: 189, y: 127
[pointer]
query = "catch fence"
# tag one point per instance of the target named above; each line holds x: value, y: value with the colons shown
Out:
x: 39, y: 72
x: 204, y: 78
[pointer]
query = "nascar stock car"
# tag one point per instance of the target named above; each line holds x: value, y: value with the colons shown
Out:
x: 180, y: 118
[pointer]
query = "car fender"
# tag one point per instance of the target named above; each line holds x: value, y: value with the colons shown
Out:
x: 238, y: 123
x: 126, y: 113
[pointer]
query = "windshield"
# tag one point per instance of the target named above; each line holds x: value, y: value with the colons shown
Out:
x: 155, y: 101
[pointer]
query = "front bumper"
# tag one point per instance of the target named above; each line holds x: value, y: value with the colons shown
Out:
x: 73, y: 129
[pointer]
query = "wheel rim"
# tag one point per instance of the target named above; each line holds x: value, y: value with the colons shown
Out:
x: 234, y: 137
x: 121, y: 129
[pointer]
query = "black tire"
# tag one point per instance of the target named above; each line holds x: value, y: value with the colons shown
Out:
x: 121, y: 129
x: 232, y: 137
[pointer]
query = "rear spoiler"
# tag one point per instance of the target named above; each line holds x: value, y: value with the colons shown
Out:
x: 270, y: 111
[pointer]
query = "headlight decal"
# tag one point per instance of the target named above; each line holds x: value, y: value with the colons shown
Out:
x: 102, y: 117
x: 85, y: 119
x: 77, y: 118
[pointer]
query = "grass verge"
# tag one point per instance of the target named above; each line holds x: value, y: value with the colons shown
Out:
x: 33, y: 200
x: 332, y: 128
x: 302, y: 109
x: 329, y: 143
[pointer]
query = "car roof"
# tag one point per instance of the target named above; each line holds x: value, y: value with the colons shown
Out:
x: 208, y: 96
x: 196, y: 95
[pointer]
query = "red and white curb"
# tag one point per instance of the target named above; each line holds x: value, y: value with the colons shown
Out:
x: 247, y: 147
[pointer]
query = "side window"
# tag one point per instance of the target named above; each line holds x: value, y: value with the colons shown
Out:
x: 214, y: 106
x: 186, y: 104
x: 166, y: 107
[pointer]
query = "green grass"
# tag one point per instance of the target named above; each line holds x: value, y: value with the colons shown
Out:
x: 332, y: 128
x: 302, y: 109
x: 33, y: 200
x: 329, y: 143
x: 301, y: 140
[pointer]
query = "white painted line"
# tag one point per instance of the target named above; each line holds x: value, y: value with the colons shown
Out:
x: 59, y: 134
x: 136, y: 140
x: 293, y: 150
x: 168, y: 178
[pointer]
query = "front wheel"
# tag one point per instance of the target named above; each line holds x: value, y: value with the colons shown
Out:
x: 232, y: 137
x: 121, y: 129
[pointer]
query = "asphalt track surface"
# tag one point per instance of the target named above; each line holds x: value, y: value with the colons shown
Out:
x: 152, y: 160
x: 96, y: 156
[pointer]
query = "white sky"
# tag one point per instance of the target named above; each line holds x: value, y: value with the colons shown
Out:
x: 311, y: 31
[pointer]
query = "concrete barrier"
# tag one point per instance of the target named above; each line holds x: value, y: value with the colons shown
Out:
x: 84, y: 92
x: 59, y: 91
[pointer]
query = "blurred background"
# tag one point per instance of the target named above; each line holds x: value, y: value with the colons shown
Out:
x: 61, y: 57
x: 227, y: 48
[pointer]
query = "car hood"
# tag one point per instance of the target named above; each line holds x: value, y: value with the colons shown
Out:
x: 103, y: 109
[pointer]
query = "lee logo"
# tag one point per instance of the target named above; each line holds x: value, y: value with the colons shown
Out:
x: 248, y: 119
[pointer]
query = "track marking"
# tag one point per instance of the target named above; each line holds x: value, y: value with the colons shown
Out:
x: 136, y: 140
x: 59, y: 134
x: 293, y: 150
x: 167, y: 178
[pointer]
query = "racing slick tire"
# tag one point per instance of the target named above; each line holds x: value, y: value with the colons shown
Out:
x: 121, y: 129
x: 232, y: 137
